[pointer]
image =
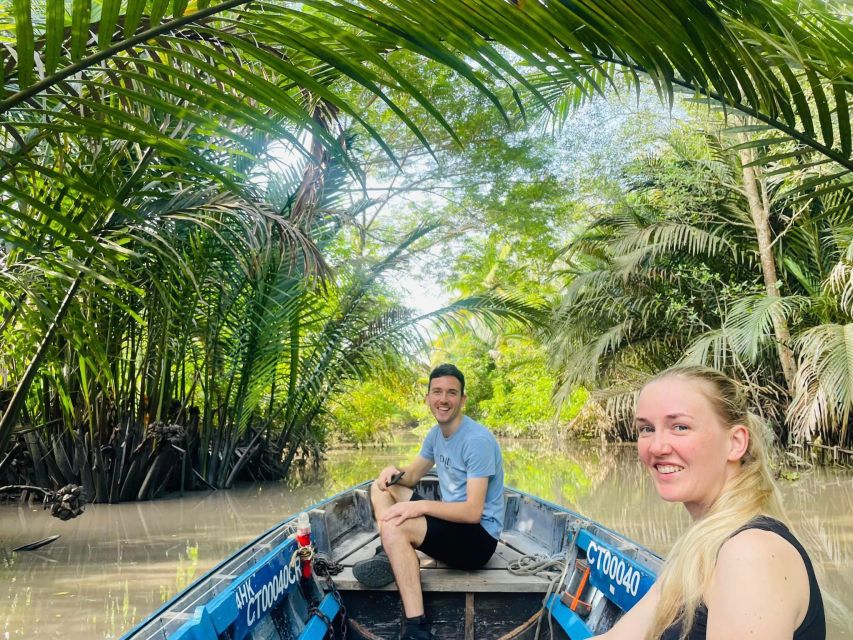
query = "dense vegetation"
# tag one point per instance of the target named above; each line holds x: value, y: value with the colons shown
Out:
x: 182, y: 305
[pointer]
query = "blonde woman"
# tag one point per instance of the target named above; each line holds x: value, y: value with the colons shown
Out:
x: 737, y: 573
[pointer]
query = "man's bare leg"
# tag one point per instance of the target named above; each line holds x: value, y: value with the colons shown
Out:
x: 382, y: 500
x: 400, y: 542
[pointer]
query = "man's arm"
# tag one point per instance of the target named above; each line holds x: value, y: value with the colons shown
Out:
x: 469, y: 511
x: 414, y: 471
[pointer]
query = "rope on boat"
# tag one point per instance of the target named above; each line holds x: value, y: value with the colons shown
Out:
x: 538, y: 564
x: 306, y: 554
x: 325, y: 566
x: 553, y: 568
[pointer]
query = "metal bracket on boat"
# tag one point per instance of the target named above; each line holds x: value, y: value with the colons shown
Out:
x: 574, y: 529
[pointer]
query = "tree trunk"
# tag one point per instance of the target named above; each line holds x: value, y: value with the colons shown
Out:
x: 759, y: 209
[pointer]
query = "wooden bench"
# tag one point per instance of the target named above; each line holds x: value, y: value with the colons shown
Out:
x: 437, y: 576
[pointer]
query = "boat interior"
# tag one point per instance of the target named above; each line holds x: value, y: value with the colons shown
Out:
x: 489, y: 603
x: 492, y: 603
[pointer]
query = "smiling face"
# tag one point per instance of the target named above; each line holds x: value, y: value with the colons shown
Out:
x: 445, y: 400
x: 684, y: 443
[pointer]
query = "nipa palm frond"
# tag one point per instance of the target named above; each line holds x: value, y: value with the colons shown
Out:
x: 823, y: 389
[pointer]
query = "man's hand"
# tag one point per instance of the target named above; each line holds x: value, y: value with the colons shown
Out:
x: 385, y: 477
x: 398, y: 513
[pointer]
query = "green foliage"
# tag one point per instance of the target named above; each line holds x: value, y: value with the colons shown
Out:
x: 371, y: 411
x: 789, y: 475
x: 521, y: 403
x: 508, y: 383
x: 145, y: 270
x: 507, y: 204
x: 671, y: 271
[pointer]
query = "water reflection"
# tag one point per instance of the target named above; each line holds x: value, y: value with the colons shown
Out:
x: 117, y: 563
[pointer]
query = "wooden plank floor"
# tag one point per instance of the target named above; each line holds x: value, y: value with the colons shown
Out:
x: 437, y: 576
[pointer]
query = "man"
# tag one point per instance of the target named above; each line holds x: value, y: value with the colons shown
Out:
x: 462, y: 529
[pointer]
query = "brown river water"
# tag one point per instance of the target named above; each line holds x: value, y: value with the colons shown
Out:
x: 115, y: 564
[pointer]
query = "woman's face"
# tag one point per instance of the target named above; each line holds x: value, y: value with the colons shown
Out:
x: 685, y: 445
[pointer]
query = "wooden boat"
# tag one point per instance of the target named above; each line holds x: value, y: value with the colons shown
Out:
x: 260, y: 593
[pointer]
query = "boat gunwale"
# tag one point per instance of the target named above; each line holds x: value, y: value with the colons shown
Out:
x: 196, y: 584
x: 254, y: 555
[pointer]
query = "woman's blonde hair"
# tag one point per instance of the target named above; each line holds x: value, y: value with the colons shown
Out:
x: 687, y: 571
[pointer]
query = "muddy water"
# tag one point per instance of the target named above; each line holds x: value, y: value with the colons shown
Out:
x: 117, y: 563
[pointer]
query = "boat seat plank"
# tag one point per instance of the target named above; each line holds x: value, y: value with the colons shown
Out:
x: 437, y: 576
x: 502, y: 557
x: 455, y: 580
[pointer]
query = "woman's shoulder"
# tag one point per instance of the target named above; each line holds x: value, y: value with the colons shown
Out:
x: 767, y: 540
x: 761, y: 577
x: 766, y: 546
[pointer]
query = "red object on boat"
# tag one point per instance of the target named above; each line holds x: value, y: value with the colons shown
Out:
x: 303, y: 539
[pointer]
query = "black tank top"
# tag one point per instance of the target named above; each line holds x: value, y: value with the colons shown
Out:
x: 813, y: 626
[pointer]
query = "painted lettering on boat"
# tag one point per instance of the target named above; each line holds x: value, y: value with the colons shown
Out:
x: 265, y: 588
x: 268, y: 595
x: 623, y: 579
x: 614, y: 567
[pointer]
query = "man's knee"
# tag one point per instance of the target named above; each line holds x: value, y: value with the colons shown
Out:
x: 411, y: 532
x: 394, y: 535
x: 375, y: 491
x: 380, y: 496
x: 392, y: 494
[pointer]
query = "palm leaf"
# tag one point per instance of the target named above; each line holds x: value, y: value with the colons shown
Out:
x: 711, y: 349
x: 750, y: 324
x: 824, y: 382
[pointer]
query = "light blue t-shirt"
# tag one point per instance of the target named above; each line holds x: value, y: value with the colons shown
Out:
x: 471, y: 452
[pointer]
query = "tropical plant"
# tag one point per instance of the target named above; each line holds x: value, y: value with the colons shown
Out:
x: 126, y: 124
x: 371, y: 410
x: 676, y: 272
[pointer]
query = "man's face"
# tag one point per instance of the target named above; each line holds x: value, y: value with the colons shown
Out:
x: 445, y: 399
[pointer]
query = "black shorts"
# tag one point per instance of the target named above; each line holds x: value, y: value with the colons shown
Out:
x: 463, y: 545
